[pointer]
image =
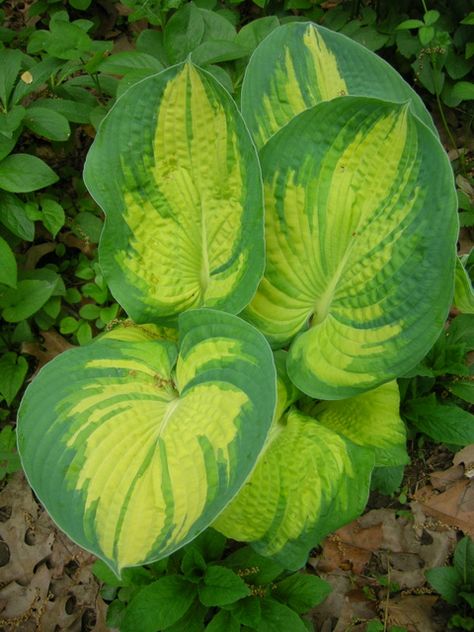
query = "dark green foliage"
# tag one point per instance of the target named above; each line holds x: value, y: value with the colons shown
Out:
x: 455, y: 584
x: 202, y: 585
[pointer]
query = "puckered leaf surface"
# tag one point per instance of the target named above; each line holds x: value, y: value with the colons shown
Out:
x: 176, y: 173
x: 300, y: 64
x: 360, y: 235
x: 133, y: 456
x: 372, y: 420
x: 307, y: 483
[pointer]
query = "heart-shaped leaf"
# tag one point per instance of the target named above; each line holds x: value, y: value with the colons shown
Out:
x: 132, y: 456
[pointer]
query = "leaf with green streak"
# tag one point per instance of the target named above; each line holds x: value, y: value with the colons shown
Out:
x: 301, y: 64
x: 370, y: 420
x: 184, y: 223
x: 308, y: 482
x: 463, y: 294
x: 126, y: 435
x: 360, y: 222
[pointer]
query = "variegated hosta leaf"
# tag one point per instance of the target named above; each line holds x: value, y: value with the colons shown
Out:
x: 177, y: 175
x: 463, y: 294
x: 287, y: 393
x: 370, y: 420
x: 360, y: 234
x: 300, y: 64
x: 133, y: 457
x: 307, y: 483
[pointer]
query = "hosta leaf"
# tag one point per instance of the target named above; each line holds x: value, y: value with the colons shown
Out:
x: 177, y: 175
x: 463, y: 294
x: 300, y: 64
x: 308, y: 482
x: 287, y: 393
x: 360, y: 223
x: 370, y: 419
x: 133, y: 457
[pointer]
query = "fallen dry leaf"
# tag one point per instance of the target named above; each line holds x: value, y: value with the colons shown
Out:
x: 34, y: 254
x: 46, y: 583
x: 413, y: 612
x: 52, y: 345
x: 450, y: 496
x: 453, y: 507
x: 466, y: 458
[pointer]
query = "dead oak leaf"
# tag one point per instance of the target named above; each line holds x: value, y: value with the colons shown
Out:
x: 52, y: 345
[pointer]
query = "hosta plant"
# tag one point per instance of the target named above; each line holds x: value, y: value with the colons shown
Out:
x: 319, y: 221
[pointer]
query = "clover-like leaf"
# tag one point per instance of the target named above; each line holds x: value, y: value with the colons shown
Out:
x: 133, y: 456
x: 177, y: 175
x: 371, y: 420
x: 307, y: 483
x: 301, y: 64
x: 360, y: 235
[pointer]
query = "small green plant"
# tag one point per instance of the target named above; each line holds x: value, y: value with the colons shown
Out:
x: 256, y: 391
x: 455, y: 584
x: 204, y: 584
x: 438, y: 392
x: 9, y: 459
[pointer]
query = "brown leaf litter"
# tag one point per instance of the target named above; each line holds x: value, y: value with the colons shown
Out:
x: 46, y: 583
x: 376, y: 564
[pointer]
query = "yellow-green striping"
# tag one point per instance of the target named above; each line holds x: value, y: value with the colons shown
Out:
x: 136, y: 472
x: 304, y: 75
x: 185, y: 232
x: 371, y: 419
x: 324, y: 215
x: 191, y: 363
x: 292, y: 487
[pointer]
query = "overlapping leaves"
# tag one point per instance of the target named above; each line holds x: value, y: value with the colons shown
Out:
x: 139, y: 433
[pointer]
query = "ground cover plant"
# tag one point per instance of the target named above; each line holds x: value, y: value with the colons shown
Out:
x: 342, y: 316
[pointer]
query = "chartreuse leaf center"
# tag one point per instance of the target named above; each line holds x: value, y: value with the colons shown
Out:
x: 134, y: 444
x: 182, y: 195
x: 360, y: 222
x: 301, y: 64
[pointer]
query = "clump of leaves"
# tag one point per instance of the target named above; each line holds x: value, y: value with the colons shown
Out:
x: 257, y: 393
x: 203, y: 584
x: 455, y: 584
